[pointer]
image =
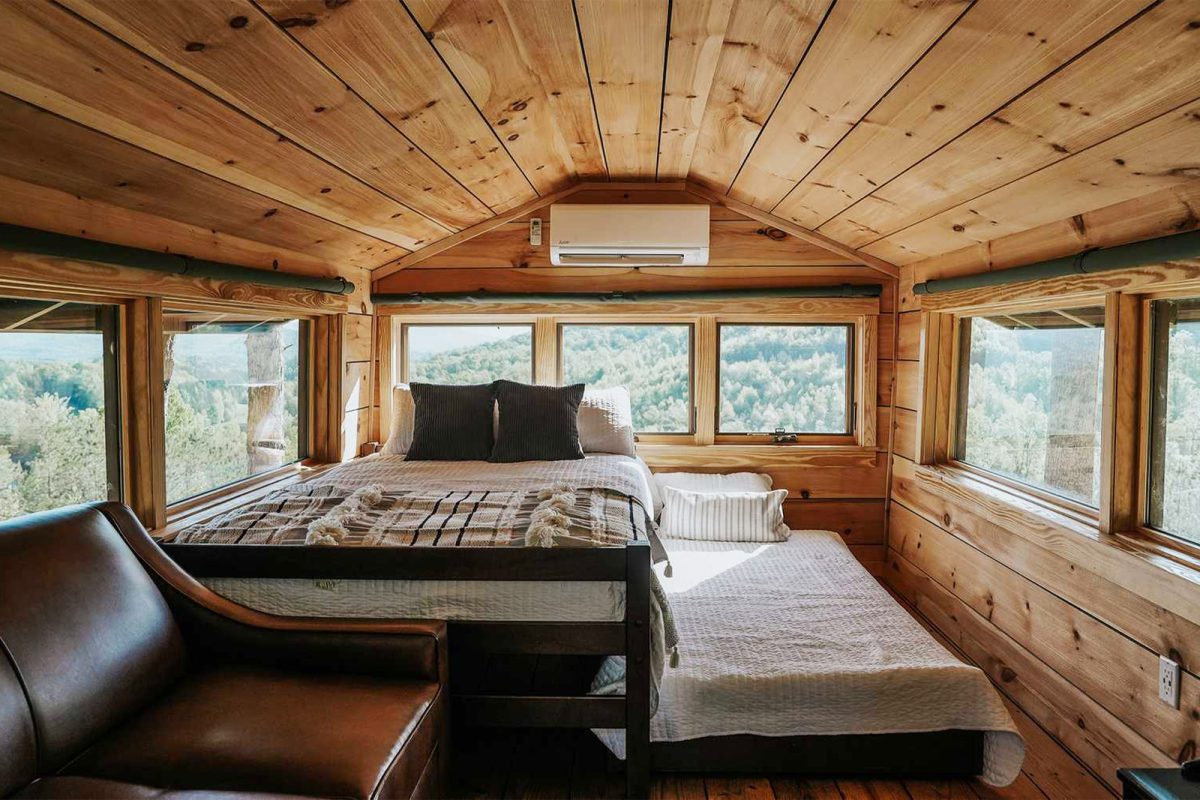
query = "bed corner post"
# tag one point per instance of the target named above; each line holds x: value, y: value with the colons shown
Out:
x: 637, y: 669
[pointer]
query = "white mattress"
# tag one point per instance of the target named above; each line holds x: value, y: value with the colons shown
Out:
x: 796, y: 638
x: 495, y: 601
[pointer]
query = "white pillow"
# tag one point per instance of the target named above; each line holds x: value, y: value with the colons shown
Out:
x: 606, y: 421
x: 715, y: 482
x: 403, y: 409
x: 722, y: 516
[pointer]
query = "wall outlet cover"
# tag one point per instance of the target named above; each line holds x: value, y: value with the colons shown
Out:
x: 535, y: 232
x: 1168, y: 681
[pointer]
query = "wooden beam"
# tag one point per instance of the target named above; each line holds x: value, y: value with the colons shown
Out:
x: 891, y: 270
x: 490, y: 224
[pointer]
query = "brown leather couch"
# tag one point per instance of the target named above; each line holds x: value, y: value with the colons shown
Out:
x: 122, y: 677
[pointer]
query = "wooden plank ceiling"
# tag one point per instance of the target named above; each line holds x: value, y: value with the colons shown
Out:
x: 314, y: 135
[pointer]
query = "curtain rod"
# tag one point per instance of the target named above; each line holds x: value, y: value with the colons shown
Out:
x: 1165, y: 248
x: 32, y: 240
x: 485, y: 297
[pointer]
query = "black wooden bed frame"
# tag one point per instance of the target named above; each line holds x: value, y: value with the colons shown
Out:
x: 630, y: 637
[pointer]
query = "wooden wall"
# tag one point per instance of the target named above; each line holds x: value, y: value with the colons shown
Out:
x: 1067, y: 623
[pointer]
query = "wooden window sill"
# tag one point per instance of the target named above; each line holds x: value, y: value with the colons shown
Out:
x: 1034, y: 518
x: 756, y: 456
x: 204, y: 507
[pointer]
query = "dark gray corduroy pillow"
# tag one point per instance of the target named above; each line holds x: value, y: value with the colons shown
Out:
x: 537, y: 423
x: 451, y: 423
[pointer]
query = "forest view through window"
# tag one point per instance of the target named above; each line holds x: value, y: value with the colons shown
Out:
x: 1175, y: 425
x: 790, y: 377
x: 1030, y: 398
x: 59, y: 412
x: 653, y: 361
x: 234, y: 399
x: 469, y: 354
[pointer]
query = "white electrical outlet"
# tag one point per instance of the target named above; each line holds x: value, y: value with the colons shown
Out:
x: 535, y: 232
x: 1168, y: 681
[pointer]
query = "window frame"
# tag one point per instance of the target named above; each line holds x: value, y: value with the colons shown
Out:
x: 401, y: 354
x: 958, y: 386
x: 809, y: 437
x: 664, y: 437
x: 305, y: 414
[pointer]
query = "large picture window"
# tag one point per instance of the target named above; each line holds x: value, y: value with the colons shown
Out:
x: 789, y: 378
x: 1174, y: 485
x: 59, y: 407
x: 1030, y: 398
x: 653, y: 361
x: 236, y: 404
x: 468, y: 354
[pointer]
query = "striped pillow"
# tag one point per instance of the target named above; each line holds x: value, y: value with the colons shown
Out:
x: 722, y: 517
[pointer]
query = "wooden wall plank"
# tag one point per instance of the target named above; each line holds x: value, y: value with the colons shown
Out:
x: 948, y: 91
x: 764, y: 42
x: 1155, y: 155
x: 858, y: 521
x: 257, y: 67
x: 63, y: 64
x: 484, y: 46
x: 856, y: 58
x: 1118, y: 674
x: 40, y: 148
x: 905, y: 443
x: 908, y: 385
x: 697, y: 35
x: 908, y: 344
x: 624, y: 43
x: 1111, y: 88
x: 381, y: 53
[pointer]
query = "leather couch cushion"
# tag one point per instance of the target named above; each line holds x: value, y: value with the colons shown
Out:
x: 259, y: 730
x: 86, y: 628
x: 18, y: 755
x: 72, y: 788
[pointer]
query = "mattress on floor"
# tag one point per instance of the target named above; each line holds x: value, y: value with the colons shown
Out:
x: 494, y: 601
x: 796, y: 638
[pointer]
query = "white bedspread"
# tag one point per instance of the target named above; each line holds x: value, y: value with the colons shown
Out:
x: 796, y: 638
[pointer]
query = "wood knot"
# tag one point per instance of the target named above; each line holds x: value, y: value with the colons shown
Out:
x: 332, y: 4
x: 805, y: 494
x: 194, y: 47
x: 520, y: 105
x: 946, y: 520
x: 939, y: 106
x: 774, y: 234
x: 514, y: 137
x: 239, y: 22
x: 958, y: 228
x: 298, y: 22
x: 1008, y: 674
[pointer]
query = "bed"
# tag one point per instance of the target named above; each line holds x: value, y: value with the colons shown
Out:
x: 543, y: 558
x: 793, y: 658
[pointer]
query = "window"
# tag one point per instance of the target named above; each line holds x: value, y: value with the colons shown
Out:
x: 59, y: 407
x: 653, y: 361
x: 236, y: 400
x: 791, y: 377
x: 1174, y: 501
x: 1030, y: 399
x: 469, y: 354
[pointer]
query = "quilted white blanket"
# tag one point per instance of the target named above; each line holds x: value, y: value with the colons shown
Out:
x: 796, y: 638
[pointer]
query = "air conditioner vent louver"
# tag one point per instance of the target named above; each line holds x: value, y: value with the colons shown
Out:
x: 628, y: 235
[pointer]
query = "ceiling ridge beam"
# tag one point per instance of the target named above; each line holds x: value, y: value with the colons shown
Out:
x: 478, y: 229
x: 805, y: 234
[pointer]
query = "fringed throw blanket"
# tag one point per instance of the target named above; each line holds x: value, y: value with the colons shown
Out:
x: 384, y: 501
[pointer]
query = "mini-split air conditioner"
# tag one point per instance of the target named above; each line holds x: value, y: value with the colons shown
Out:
x: 628, y: 235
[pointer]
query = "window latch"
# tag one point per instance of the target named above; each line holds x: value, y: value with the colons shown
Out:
x: 781, y: 436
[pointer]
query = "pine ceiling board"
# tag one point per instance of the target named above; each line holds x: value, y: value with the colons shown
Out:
x: 697, y: 34
x: 994, y: 52
x: 646, y: 196
x: 763, y: 44
x: 63, y: 64
x: 1121, y: 82
x: 862, y: 50
x: 1163, y: 213
x: 1156, y: 155
x: 381, y: 53
x: 619, y: 279
x: 235, y: 51
x: 484, y: 50
x: 47, y: 209
x: 624, y: 44
x: 731, y: 244
x: 40, y: 148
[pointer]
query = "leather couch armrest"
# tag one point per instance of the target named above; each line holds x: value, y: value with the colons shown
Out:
x: 218, y: 629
